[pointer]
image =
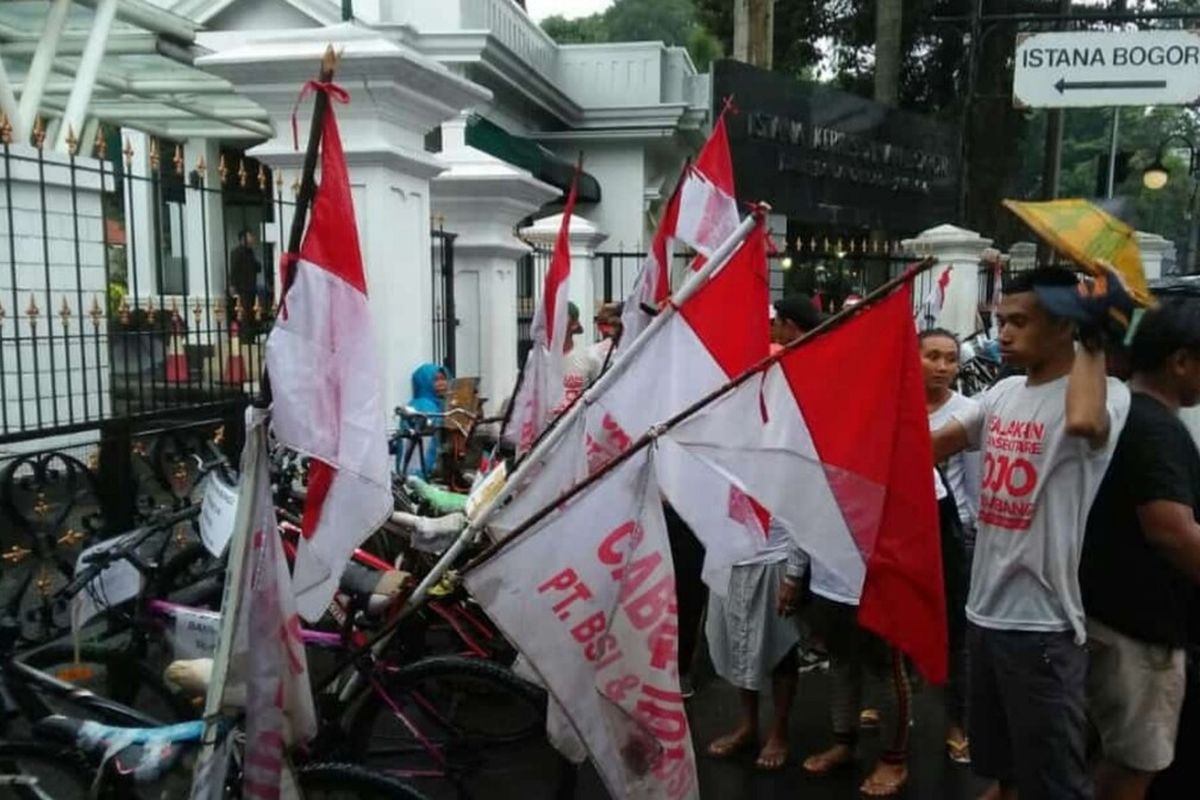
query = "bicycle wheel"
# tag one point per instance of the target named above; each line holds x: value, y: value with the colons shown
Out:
x: 351, y: 782
x: 41, y: 771
x: 449, y: 709
x: 191, y: 577
x: 111, y: 672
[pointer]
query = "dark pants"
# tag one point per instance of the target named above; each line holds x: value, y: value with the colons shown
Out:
x: 1027, y: 724
x: 691, y: 596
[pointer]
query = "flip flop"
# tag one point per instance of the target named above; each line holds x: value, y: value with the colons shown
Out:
x: 959, y: 752
x: 829, y: 768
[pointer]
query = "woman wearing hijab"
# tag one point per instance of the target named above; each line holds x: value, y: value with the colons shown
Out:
x: 429, y: 385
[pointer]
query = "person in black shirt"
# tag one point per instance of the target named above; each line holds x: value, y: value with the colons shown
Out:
x: 244, y: 268
x: 1141, y: 559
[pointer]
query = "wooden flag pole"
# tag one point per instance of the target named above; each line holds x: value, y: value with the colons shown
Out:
x: 308, y: 189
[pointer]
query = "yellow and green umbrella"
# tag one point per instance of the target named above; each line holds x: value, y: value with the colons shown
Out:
x: 1090, y: 237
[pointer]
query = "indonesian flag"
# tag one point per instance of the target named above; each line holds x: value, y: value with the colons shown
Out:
x: 260, y: 665
x: 701, y: 212
x: 540, y: 390
x: 931, y: 306
x: 833, y: 439
x: 328, y: 403
x: 588, y: 596
x: 717, y: 334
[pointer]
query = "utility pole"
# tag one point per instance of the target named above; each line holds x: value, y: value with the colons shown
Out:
x: 754, y: 32
x: 1056, y: 122
x: 888, y: 17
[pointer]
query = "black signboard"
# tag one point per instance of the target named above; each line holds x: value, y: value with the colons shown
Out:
x: 828, y: 158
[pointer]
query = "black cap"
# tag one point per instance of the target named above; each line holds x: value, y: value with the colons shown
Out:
x: 800, y: 310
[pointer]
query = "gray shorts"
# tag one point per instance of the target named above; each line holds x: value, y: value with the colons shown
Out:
x: 1027, y: 723
x: 1135, y: 696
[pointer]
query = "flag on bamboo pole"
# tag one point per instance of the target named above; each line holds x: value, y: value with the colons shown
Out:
x: 717, y: 333
x: 260, y: 665
x: 540, y: 386
x: 328, y: 401
x: 833, y: 439
x: 701, y: 213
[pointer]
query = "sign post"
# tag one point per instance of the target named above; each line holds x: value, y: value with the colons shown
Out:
x: 1091, y: 69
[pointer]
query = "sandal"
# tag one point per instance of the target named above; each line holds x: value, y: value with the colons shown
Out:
x: 959, y: 751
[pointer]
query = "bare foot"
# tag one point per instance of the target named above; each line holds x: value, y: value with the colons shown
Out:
x: 729, y: 744
x: 773, y: 754
x: 885, y: 781
x: 958, y: 748
x: 827, y: 761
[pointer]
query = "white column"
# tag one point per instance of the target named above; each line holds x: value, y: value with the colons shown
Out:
x: 140, y: 217
x: 584, y: 237
x: 961, y: 250
x: 481, y: 198
x: 8, y: 100
x: 85, y: 74
x: 397, y: 97
x: 39, y: 70
x: 1154, y: 250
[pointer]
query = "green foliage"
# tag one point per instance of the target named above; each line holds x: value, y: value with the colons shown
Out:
x: 674, y: 22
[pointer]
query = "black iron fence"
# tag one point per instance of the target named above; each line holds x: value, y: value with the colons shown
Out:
x: 531, y: 274
x: 445, y: 320
x: 132, y: 286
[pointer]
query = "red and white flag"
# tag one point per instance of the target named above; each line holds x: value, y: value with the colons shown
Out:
x: 702, y: 213
x: 328, y: 403
x: 588, y: 596
x: 717, y: 333
x: 540, y: 389
x: 833, y: 439
x: 260, y: 665
x: 935, y: 299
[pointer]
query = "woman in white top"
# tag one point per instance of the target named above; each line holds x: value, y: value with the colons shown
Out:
x: 939, y: 364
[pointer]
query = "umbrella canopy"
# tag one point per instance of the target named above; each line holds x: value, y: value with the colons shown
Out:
x: 1090, y: 237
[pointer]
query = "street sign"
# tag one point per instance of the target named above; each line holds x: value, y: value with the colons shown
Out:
x: 1086, y: 69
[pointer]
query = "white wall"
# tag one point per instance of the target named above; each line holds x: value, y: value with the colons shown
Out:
x: 64, y: 365
x: 620, y: 168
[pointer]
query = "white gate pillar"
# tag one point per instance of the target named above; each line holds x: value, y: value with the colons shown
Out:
x: 584, y: 237
x: 961, y: 250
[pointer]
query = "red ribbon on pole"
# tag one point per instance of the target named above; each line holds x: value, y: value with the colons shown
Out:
x: 334, y: 91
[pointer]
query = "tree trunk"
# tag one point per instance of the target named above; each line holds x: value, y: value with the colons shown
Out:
x: 754, y: 32
x: 888, y: 18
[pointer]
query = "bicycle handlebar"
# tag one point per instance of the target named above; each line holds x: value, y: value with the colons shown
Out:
x: 98, y: 562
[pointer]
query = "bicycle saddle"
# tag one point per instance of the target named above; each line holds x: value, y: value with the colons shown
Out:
x: 372, y: 590
x: 142, y: 755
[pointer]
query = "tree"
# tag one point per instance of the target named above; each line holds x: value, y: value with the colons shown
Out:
x: 888, y: 19
x: 673, y: 22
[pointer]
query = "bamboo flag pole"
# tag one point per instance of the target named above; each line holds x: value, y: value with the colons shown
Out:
x: 650, y: 436
x: 308, y: 189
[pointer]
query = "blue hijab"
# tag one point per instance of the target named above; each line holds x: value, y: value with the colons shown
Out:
x: 425, y: 400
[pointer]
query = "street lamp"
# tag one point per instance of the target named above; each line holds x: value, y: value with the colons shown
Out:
x: 1155, y: 176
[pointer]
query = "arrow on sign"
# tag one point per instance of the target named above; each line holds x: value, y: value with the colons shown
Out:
x: 1064, y: 84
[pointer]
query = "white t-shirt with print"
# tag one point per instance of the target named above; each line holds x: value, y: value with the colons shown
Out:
x: 1037, y: 488
x: 580, y: 368
x: 962, y: 469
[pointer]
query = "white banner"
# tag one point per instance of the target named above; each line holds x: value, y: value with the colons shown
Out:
x: 588, y: 595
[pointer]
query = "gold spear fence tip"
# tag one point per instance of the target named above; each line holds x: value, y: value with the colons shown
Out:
x: 123, y: 311
x: 100, y: 143
x: 202, y: 168
x: 242, y: 172
x: 258, y: 309
x: 296, y: 185
x: 197, y: 311
x: 279, y: 180
x: 238, y: 311
x: 3, y: 313
x: 128, y: 151
x: 39, y: 132
x: 263, y: 180
x: 178, y: 159
x: 155, y: 160
x: 222, y: 169
x: 64, y: 312
x: 151, y: 311
x: 72, y: 141
x: 5, y: 130
x: 32, y: 311
x: 96, y: 313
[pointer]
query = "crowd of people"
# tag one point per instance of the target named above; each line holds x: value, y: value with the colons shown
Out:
x: 1068, y: 501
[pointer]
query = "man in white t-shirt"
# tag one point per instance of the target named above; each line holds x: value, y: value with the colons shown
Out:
x: 1047, y: 438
